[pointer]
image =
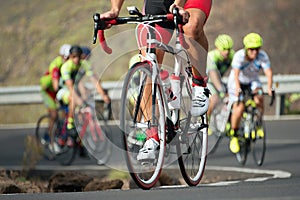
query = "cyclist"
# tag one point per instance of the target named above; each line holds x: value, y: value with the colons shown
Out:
x: 197, y: 11
x: 218, y: 63
x: 66, y: 94
x: 244, y: 76
x: 50, y: 80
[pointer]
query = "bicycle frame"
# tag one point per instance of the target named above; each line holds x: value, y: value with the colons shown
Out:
x: 191, y: 145
x: 94, y: 129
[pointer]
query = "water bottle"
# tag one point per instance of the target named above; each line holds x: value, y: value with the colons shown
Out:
x: 141, y: 136
x: 164, y: 75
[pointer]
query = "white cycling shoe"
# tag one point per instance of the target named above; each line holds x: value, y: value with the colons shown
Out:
x: 200, y: 101
x: 148, y: 151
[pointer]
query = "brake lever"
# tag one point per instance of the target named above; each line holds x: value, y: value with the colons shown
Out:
x: 96, y: 18
x: 99, y: 26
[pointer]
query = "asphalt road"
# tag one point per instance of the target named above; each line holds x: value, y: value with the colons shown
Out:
x: 282, y: 160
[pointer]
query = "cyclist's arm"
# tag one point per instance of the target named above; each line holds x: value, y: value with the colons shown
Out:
x: 268, y: 72
x: 116, y: 6
x: 213, y: 72
x: 100, y: 89
x: 237, y: 81
x: 215, y: 78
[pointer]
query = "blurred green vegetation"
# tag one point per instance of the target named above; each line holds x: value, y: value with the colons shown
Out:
x: 32, y: 32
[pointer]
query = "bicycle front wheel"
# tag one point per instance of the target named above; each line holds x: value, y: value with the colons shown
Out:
x: 215, y: 134
x: 68, y: 151
x: 142, y: 109
x: 241, y: 156
x: 191, y: 143
x: 258, y: 137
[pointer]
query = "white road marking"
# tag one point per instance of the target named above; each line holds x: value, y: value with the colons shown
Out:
x: 274, y: 174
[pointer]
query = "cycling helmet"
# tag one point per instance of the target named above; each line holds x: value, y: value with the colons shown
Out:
x: 76, y: 50
x: 253, y: 40
x: 86, y: 50
x: 65, y: 50
x: 224, y: 42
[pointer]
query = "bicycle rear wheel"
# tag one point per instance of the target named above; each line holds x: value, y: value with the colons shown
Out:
x: 191, y: 142
x: 134, y: 123
x: 259, y: 142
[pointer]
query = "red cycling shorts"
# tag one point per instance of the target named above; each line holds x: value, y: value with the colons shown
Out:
x: 204, y: 5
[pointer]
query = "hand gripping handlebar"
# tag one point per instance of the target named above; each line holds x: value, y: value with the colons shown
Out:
x: 100, y: 25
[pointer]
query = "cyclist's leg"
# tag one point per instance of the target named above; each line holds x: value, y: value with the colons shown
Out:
x: 50, y: 103
x: 236, y: 115
x: 199, y: 12
x: 256, y: 87
x: 65, y: 97
x: 165, y: 31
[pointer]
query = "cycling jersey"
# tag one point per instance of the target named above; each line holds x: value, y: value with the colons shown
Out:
x: 249, y: 71
x: 69, y: 70
x: 216, y: 61
x: 53, y: 73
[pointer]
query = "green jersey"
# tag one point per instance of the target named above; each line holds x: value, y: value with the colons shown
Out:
x: 69, y: 70
x: 216, y: 61
x: 53, y: 73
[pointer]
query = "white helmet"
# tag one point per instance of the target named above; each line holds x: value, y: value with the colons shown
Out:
x: 65, y: 50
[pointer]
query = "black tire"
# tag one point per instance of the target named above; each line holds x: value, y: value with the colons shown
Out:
x: 259, y: 143
x: 68, y: 151
x: 191, y: 143
x: 145, y: 175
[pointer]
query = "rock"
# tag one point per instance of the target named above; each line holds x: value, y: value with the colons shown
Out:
x: 68, y: 182
x: 103, y: 185
x: 165, y: 179
x: 8, y: 186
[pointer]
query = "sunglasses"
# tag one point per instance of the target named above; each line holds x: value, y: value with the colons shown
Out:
x: 253, y: 49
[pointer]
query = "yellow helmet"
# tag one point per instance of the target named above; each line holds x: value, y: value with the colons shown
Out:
x: 253, y: 40
x: 224, y: 42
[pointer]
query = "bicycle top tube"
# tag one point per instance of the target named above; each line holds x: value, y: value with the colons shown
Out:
x: 100, y: 25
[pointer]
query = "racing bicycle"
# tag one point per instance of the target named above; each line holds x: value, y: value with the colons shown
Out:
x: 252, y: 130
x: 58, y: 144
x: 143, y: 86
